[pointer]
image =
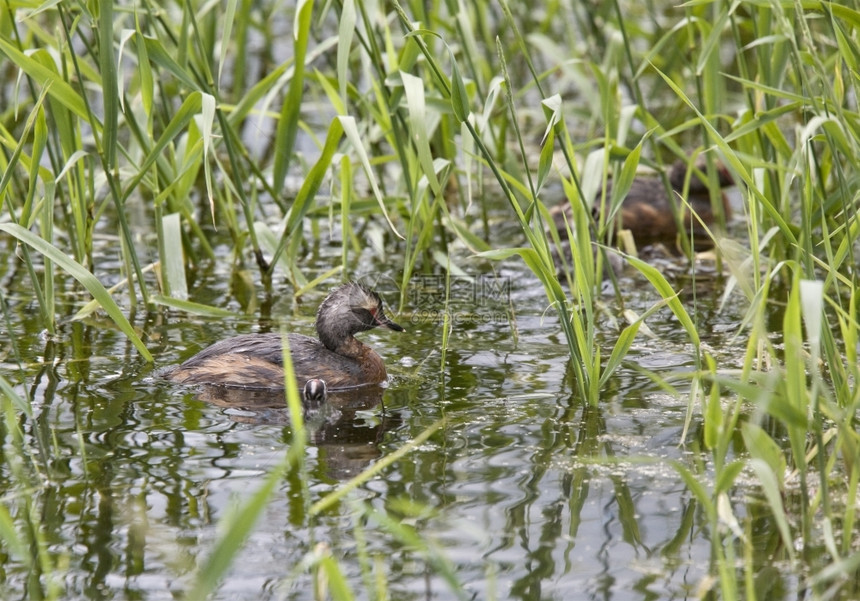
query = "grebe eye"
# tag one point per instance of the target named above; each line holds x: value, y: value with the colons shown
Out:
x: 365, y: 316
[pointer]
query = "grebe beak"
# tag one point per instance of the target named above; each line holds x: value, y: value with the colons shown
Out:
x: 383, y: 322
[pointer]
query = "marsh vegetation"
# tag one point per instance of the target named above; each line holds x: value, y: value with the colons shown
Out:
x: 175, y: 173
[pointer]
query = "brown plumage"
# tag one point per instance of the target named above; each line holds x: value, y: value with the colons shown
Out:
x: 337, y: 358
x: 647, y: 213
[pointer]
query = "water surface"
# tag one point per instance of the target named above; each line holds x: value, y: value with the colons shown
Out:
x: 526, y: 492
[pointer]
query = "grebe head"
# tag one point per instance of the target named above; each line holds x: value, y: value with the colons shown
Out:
x: 349, y: 309
x: 678, y: 174
x: 315, y: 391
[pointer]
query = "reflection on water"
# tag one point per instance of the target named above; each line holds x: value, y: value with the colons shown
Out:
x: 346, y: 444
x: 529, y: 494
x: 350, y: 400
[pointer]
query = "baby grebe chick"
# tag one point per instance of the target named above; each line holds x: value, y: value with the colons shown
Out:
x: 646, y: 210
x: 315, y: 391
x: 337, y: 358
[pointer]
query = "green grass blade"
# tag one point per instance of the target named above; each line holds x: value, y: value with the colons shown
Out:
x: 336, y: 581
x: 761, y: 446
x: 841, y: 570
x: 727, y: 475
x: 653, y: 275
x: 59, y: 90
x: 624, y: 178
x: 625, y: 341
x: 812, y: 310
x: 172, y: 259
x: 415, y: 95
x: 459, y: 96
x: 770, y: 486
x: 346, y: 31
x: 311, y: 185
x: 546, y: 151
x: 19, y: 403
x: 294, y: 402
x: 144, y: 69
x: 351, y: 130
x: 699, y: 492
x: 207, y: 114
x: 164, y: 58
x: 190, y: 107
x: 288, y: 125
x: 87, y: 280
x: 18, y: 549
x: 192, y: 307
x: 110, y: 91
x: 226, y: 34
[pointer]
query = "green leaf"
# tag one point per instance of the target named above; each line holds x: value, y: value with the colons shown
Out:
x: 337, y: 583
x: 345, y: 33
x: 226, y: 34
x: 653, y: 275
x: 87, y: 280
x: 288, y: 124
x: 311, y: 185
x: 110, y: 91
x: 22, y: 406
x: 173, y: 263
x: 727, y: 475
x: 207, y: 118
x: 770, y: 486
x: 58, y: 88
x: 624, y: 179
x: 12, y: 540
x: 351, y: 130
x: 164, y: 59
x: 760, y: 445
x: 713, y: 411
x: 625, y: 341
x: 812, y: 310
x: 191, y: 307
x: 843, y: 570
x: 546, y: 157
x: 552, y: 107
x: 699, y: 491
x: 144, y: 69
x: 500, y: 254
x: 414, y: 89
x: 181, y: 118
x: 459, y: 97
